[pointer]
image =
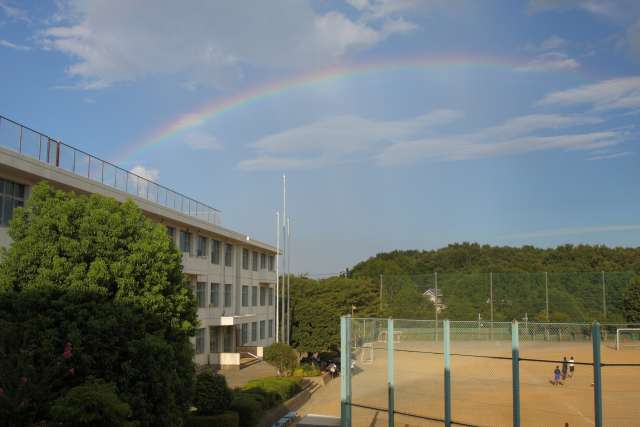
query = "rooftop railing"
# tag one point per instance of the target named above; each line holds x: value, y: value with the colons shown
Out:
x: 39, y: 146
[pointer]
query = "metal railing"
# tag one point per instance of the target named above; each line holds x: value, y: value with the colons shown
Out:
x: 39, y: 146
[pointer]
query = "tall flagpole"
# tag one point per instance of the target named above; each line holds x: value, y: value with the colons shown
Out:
x: 288, y: 282
x: 277, y: 275
x: 285, y: 308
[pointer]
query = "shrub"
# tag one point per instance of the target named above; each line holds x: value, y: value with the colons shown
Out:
x: 307, y: 370
x: 248, y: 408
x: 212, y: 396
x: 94, y: 403
x: 283, y: 387
x: 282, y: 357
x: 226, y: 419
x: 266, y: 399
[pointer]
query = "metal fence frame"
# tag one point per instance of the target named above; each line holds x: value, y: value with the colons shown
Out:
x: 55, y: 153
x: 515, y: 335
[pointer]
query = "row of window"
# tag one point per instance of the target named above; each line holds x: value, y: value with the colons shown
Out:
x: 265, y: 294
x: 267, y: 262
x: 266, y: 331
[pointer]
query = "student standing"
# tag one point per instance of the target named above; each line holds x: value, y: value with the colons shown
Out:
x: 572, y: 365
x: 565, y: 367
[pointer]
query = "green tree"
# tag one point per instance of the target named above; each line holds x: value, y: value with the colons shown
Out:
x: 282, y: 357
x: 95, y: 274
x: 212, y: 395
x: 632, y: 301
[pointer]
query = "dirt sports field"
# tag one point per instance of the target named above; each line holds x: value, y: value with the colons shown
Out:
x: 481, y: 388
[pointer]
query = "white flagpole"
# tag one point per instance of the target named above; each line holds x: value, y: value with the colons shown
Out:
x: 288, y: 282
x: 277, y: 275
x: 284, y: 307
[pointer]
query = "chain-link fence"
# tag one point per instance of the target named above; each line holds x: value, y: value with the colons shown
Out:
x: 538, y: 296
x: 478, y: 373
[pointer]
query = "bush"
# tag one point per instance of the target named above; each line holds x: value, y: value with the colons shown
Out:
x: 212, y: 396
x: 307, y: 370
x: 248, y: 408
x: 283, y: 387
x: 94, y: 403
x: 226, y: 419
x: 282, y: 357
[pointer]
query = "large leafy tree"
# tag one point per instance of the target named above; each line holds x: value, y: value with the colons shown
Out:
x: 632, y: 301
x: 91, y: 288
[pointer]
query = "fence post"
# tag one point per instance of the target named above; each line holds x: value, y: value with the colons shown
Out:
x: 447, y: 374
x: 345, y: 376
x: 515, y: 367
x: 597, y: 378
x: 390, y: 380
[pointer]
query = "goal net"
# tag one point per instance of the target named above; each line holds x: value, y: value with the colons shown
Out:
x: 627, y: 338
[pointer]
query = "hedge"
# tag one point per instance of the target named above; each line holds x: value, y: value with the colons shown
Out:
x: 249, y: 410
x: 226, y: 419
x: 284, y: 387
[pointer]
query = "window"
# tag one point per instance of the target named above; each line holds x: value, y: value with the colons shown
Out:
x: 215, y: 252
x: 270, y: 328
x: 213, y: 340
x: 271, y: 262
x: 227, y: 295
x: 254, y: 296
x: 263, y: 261
x: 228, y: 255
x: 171, y: 232
x: 270, y: 296
x: 254, y: 331
x: 200, y: 341
x: 245, y: 259
x: 215, y: 295
x: 244, y: 333
x: 254, y: 261
x: 201, y: 292
x: 11, y: 196
x: 201, y: 250
x: 185, y: 241
x: 263, y: 296
x: 262, y: 323
x: 245, y: 296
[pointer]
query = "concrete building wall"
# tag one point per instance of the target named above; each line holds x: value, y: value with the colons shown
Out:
x: 226, y: 321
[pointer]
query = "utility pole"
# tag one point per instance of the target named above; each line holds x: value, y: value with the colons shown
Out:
x: 285, y: 308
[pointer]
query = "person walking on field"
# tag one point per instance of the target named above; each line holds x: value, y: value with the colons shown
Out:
x: 572, y: 366
x: 565, y: 368
x: 556, y: 376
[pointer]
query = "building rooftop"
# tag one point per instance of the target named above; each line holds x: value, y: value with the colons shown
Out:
x: 43, y: 148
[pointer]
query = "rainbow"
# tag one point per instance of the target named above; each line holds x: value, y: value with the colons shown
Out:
x: 219, y: 107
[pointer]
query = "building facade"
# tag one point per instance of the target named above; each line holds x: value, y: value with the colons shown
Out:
x: 231, y: 275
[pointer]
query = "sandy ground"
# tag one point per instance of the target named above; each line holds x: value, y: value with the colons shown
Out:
x: 482, y: 390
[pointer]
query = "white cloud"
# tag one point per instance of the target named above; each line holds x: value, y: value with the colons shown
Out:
x: 200, y: 140
x: 611, y: 156
x: 550, y: 61
x: 614, y: 94
x: 550, y: 43
x: 209, y: 42
x: 148, y: 173
x: 14, y: 46
x: 14, y: 12
x: 571, y: 231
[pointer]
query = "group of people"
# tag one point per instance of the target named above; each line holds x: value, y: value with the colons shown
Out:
x: 568, y: 369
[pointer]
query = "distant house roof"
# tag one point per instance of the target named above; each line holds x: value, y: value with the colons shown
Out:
x: 432, y: 292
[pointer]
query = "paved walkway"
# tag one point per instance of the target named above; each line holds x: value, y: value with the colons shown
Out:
x: 243, y: 376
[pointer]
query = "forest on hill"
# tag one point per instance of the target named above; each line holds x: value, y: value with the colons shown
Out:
x: 563, y: 284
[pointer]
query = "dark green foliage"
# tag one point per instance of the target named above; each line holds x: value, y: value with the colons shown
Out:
x: 282, y: 357
x: 283, y: 387
x: 307, y: 370
x: 318, y: 304
x: 248, y: 408
x: 94, y: 273
x: 632, y: 301
x: 212, y: 395
x: 226, y: 419
x: 94, y: 403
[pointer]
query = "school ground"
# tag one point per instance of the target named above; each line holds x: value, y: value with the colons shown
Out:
x: 482, y: 387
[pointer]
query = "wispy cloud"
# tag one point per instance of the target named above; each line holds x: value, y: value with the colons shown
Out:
x: 145, y: 172
x: 14, y: 12
x: 611, y: 156
x: 8, y: 44
x: 570, y: 231
x: 550, y: 61
x: 613, y: 94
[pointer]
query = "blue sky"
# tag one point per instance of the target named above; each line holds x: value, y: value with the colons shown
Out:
x: 534, y: 140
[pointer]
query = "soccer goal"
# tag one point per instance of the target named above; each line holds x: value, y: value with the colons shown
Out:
x: 397, y: 335
x: 366, y: 354
x: 627, y: 338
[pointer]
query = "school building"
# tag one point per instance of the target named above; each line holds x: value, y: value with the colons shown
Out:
x: 232, y: 275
